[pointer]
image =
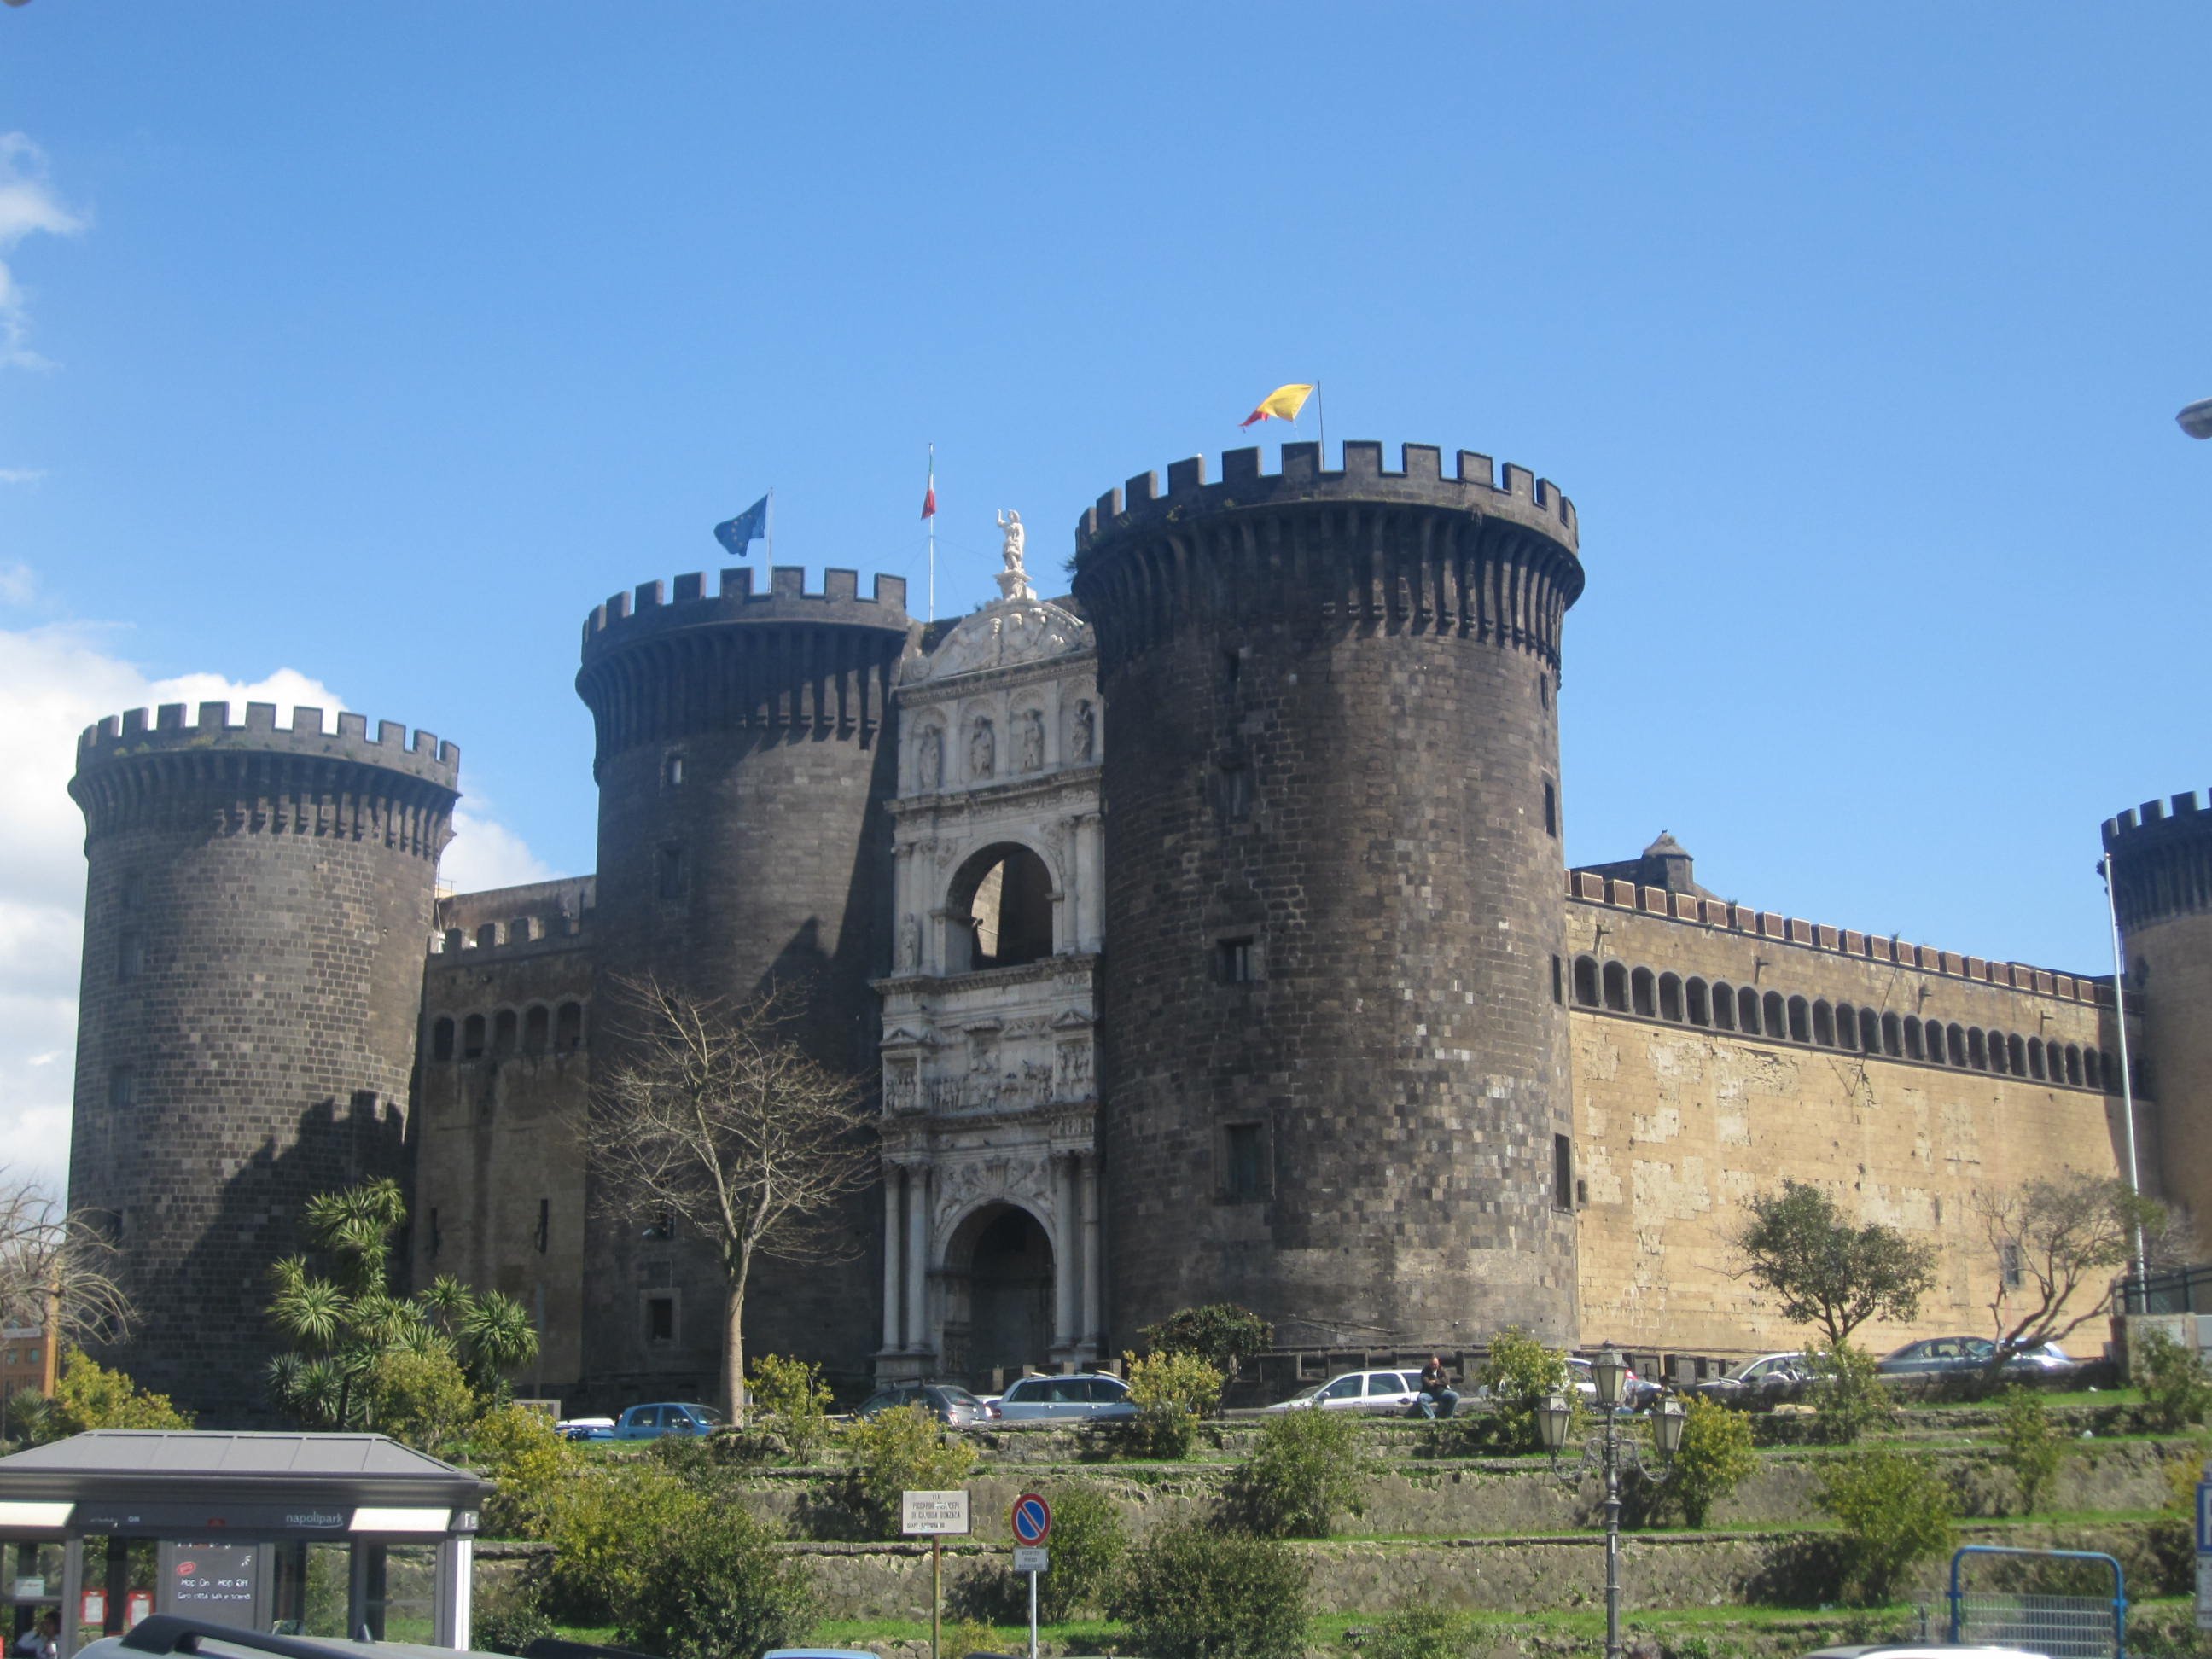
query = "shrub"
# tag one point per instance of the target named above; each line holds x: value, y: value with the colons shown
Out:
x: 1222, y: 1334
x: 600, y: 1523
x: 902, y: 1450
x: 1847, y: 1393
x: 1193, y: 1593
x: 88, y: 1395
x: 2033, y: 1446
x: 2176, y: 1390
x: 1521, y: 1374
x: 531, y: 1467
x: 1890, y: 1511
x: 980, y: 1635
x: 1422, y: 1632
x: 1304, y: 1469
x: 1715, y: 1458
x: 716, y: 1585
x: 420, y: 1396
x: 1088, y: 1542
x: 789, y: 1399
x: 1171, y: 1391
x: 506, y: 1619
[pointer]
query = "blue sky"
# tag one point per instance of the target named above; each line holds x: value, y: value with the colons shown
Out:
x: 377, y: 344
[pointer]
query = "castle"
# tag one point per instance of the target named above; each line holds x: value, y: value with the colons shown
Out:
x: 1208, y: 930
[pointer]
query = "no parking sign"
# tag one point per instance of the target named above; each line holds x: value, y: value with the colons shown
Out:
x: 1032, y: 1518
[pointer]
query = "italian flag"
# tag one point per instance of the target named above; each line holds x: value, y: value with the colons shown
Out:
x: 929, y: 497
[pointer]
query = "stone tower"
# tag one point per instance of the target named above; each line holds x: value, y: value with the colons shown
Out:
x: 745, y: 753
x: 1334, y: 1042
x: 255, y: 913
x: 2161, y: 863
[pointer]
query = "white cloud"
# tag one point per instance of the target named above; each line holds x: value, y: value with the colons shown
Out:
x: 28, y: 206
x: 22, y: 475
x: 17, y: 584
x: 54, y: 681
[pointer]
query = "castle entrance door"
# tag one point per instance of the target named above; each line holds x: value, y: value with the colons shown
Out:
x: 997, y: 1280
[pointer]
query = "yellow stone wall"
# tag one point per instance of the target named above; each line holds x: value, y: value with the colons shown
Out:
x: 1679, y: 1125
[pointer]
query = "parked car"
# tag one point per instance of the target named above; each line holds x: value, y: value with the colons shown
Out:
x: 586, y: 1428
x: 1959, y: 1356
x: 1635, y: 1393
x: 948, y: 1402
x: 1382, y: 1393
x: 666, y: 1417
x: 1758, y: 1383
x: 1084, y: 1396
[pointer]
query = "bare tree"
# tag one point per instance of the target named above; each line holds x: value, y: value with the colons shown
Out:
x: 713, y: 1117
x: 2050, y: 1237
x: 57, y: 1267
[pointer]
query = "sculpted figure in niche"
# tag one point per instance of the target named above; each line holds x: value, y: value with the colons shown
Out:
x: 982, y: 750
x: 910, y: 944
x: 929, y: 758
x: 1032, y: 738
x: 1084, y: 733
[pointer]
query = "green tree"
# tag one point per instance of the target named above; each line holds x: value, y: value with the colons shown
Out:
x: 342, y: 1324
x: 602, y: 1522
x: 902, y: 1450
x: 531, y: 1467
x: 1192, y: 1592
x: 1520, y: 1374
x: 2033, y: 1446
x: 718, y: 1586
x: 790, y: 1399
x: 1171, y: 1391
x: 2176, y: 1389
x: 1714, y: 1458
x: 1890, y: 1511
x: 1088, y: 1544
x: 88, y: 1395
x: 1222, y: 1334
x: 1305, y: 1468
x: 1797, y: 1246
x: 1848, y: 1392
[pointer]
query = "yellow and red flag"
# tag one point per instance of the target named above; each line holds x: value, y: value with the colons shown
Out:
x: 1283, y: 403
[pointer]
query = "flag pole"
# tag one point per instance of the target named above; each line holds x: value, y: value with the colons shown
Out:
x: 771, y: 526
x: 932, y: 534
x: 1321, y: 420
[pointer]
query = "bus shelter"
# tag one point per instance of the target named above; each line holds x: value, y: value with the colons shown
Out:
x: 310, y: 1534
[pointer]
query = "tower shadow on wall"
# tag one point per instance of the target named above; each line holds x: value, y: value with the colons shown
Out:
x: 259, y: 1219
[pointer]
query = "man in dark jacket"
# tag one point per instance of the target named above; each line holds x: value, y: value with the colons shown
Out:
x: 1439, y: 1397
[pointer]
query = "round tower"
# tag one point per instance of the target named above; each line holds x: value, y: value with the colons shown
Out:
x: 744, y: 757
x: 1333, y: 1049
x: 256, y: 907
x: 2161, y: 867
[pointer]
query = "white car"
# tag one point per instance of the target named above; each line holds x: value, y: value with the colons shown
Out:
x: 1384, y: 1393
x: 1084, y: 1396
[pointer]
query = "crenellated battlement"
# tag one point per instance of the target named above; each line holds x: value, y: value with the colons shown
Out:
x: 2162, y: 855
x: 1721, y: 914
x: 136, y: 732
x: 1476, y: 487
x: 650, y: 608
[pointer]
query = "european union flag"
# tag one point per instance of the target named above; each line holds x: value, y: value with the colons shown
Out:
x: 742, y: 532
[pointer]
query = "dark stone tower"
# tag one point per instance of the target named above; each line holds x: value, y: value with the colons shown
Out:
x: 255, y: 910
x: 2162, y: 888
x: 745, y: 757
x: 1334, y: 1054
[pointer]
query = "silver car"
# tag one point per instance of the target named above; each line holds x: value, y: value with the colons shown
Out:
x: 1084, y: 1396
x: 1384, y: 1393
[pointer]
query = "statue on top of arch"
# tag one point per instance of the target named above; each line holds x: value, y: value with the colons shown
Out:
x: 1014, y: 580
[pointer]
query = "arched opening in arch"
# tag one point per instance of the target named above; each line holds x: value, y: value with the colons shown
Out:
x: 1801, y: 1020
x: 473, y: 1037
x: 1746, y: 1011
x: 1724, y: 1006
x: 2035, y: 1059
x: 1586, y: 981
x: 1000, y: 910
x: 1824, y: 1024
x: 2092, y: 1072
x: 569, y: 1027
x: 1639, y: 990
x: 1698, y: 1002
x: 1977, y: 1052
x: 2073, y: 1064
x: 1955, y: 1045
x: 1775, y: 1014
x: 998, y: 1293
x: 1913, y: 1047
x: 1935, y: 1044
x: 1670, y: 997
x: 1616, y: 988
x: 536, y: 1027
x: 2016, y: 1055
x: 503, y: 1034
x: 1892, y: 1036
x: 441, y: 1038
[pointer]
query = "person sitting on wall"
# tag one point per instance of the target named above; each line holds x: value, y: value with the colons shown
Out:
x: 1438, y: 1398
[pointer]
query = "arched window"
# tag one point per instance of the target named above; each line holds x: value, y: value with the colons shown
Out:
x: 1775, y: 1014
x: 1914, y: 1049
x: 473, y: 1037
x: 1955, y: 1045
x: 2092, y: 1070
x: 535, y: 1025
x: 1847, y: 1026
x: 441, y: 1038
x: 1639, y: 992
x: 1893, y: 1037
x: 1697, y: 1002
x: 569, y: 1028
x: 1824, y: 1025
x: 1801, y: 1021
x: 1616, y: 988
x: 1870, y: 1033
x: 2074, y: 1065
x: 2112, y: 1072
x: 1746, y: 1012
x: 1670, y: 997
x: 1977, y: 1050
x: 503, y: 1034
x: 1001, y: 908
x: 1586, y: 981
x: 2016, y: 1055
x: 1724, y: 1007
x: 2035, y: 1059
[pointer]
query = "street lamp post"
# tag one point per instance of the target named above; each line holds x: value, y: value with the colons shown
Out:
x: 1601, y: 1454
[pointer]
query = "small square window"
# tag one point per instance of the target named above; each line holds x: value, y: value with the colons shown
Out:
x: 1237, y: 961
x: 661, y: 1319
x: 672, y: 771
